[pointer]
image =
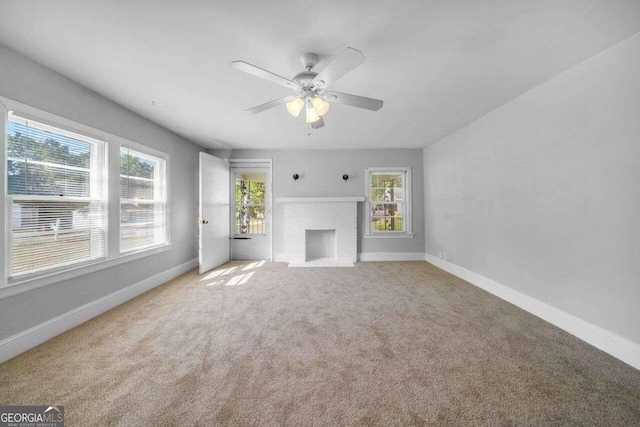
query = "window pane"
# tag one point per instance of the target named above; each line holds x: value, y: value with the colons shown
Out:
x: 47, y: 234
x: 46, y: 162
x: 137, y: 175
x: 27, y: 178
x: 142, y: 208
x: 33, y: 141
x: 387, y: 187
x: 250, y: 220
x: 250, y: 201
x: 136, y: 188
x: 250, y: 188
x: 387, y: 217
x: 141, y: 225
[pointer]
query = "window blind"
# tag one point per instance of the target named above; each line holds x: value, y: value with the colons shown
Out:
x: 142, y: 200
x: 55, y: 188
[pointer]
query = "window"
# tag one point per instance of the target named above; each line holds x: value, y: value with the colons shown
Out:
x: 142, y: 200
x: 250, y: 203
x: 389, y: 201
x: 55, y: 191
x: 65, y: 215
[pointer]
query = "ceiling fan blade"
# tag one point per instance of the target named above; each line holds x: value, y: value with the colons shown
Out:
x: 259, y: 72
x: 354, y: 100
x: 317, y: 124
x: 260, y: 108
x: 349, y: 59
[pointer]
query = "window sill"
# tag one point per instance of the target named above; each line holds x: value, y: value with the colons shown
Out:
x: 19, y: 285
x: 390, y: 235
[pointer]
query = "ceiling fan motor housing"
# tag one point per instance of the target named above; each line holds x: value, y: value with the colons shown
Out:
x: 309, y: 60
x: 305, y: 79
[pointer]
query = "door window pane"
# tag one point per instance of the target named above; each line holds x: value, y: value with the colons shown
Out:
x: 250, y: 203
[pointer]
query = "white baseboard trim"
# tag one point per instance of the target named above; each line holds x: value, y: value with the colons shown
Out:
x: 617, y: 346
x: 32, y: 337
x: 375, y: 256
x: 391, y: 256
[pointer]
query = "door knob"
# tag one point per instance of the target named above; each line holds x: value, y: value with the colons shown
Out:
x: 204, y: 221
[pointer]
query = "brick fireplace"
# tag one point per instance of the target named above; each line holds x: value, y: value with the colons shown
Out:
x: 321, y: 231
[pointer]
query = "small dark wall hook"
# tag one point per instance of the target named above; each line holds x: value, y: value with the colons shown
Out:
x: 345, y: 177
x: 295, y: 176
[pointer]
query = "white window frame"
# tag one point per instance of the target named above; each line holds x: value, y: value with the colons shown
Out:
x: 10, y: 286
x: 408, y: 232
x: 162, y: 192
x: 98, y: 163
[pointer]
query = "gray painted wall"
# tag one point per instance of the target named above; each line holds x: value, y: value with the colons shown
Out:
x: 321, y: 175
x: 543, y: 194
x: 30, y: 83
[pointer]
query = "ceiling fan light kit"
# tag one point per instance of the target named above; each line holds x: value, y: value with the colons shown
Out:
x: 294, y: 107
x: 321, y: 106
x: 310, y: 88
x: 312, y: 115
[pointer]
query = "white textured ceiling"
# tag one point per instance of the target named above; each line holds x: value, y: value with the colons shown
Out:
x: 438, y: 65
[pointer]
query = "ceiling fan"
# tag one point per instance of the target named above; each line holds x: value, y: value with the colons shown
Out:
x: 310, y: 88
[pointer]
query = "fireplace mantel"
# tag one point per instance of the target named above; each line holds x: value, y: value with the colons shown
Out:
x: 319, y: 199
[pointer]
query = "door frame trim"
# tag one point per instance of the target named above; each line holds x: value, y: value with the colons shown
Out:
x: 269, y: 200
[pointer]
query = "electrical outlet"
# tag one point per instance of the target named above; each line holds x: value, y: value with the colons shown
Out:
x: 445, y: 256
x: 439, y: 254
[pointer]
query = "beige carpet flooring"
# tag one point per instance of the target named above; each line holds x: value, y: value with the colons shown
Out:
x: 389, y: 344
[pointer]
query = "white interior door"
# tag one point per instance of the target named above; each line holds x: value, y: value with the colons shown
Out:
x: 250, y: 211
x: 213, y: 248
